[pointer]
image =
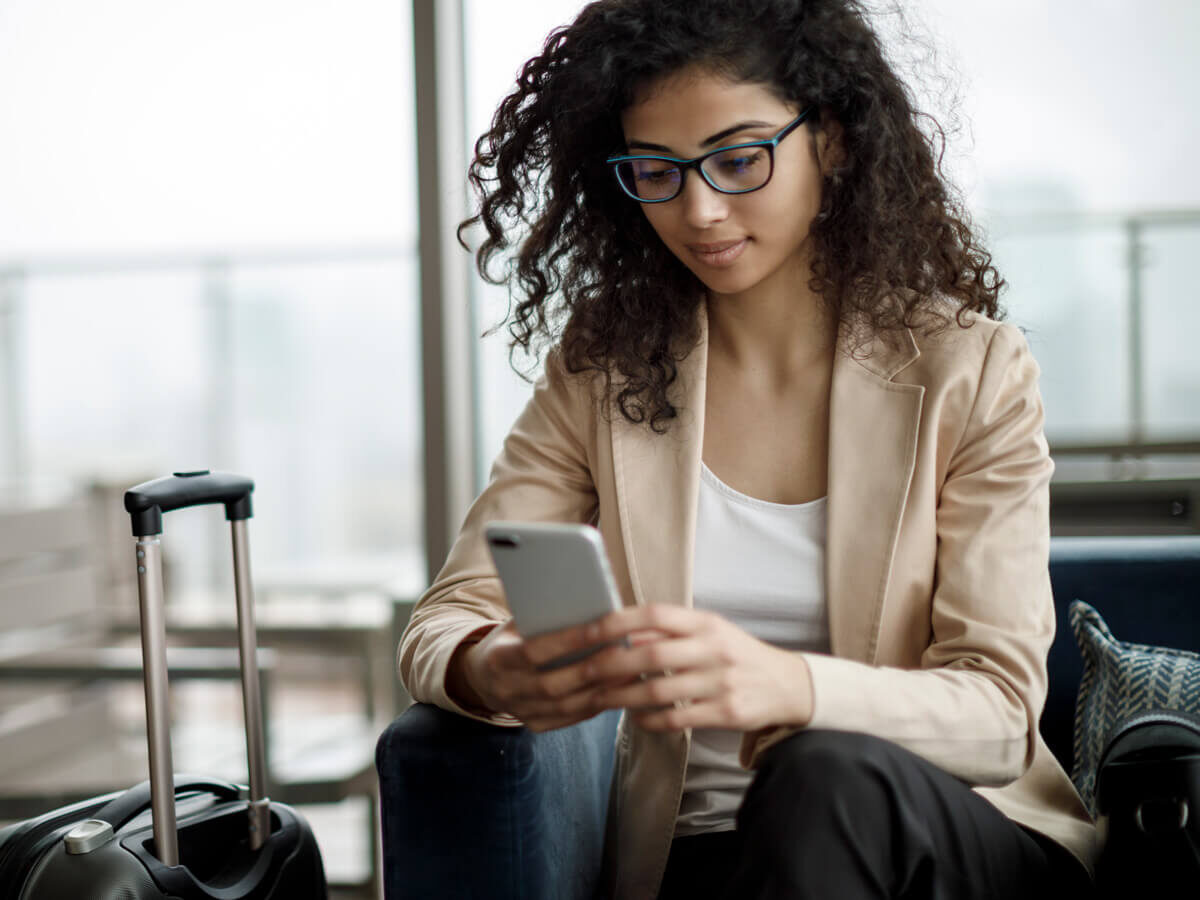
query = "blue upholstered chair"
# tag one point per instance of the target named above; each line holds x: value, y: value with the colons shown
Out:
x: 474, y: 811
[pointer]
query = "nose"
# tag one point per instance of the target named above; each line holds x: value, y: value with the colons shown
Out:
x: 703, y: 206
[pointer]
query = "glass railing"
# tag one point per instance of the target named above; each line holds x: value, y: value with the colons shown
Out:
x: 1110, y: 304
x: 300, y: 368
x: 1111, y: 311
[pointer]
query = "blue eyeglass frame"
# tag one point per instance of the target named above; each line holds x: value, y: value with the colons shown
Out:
x: 697, y: 161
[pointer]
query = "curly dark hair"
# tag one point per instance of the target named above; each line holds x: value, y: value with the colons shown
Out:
x: 892, y: 245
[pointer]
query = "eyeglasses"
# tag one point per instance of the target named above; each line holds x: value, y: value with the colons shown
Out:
x: 739, y: 169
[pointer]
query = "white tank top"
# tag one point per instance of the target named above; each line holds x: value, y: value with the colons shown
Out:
x: 762, y: 566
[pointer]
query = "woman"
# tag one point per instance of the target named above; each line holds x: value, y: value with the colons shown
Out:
x: 778, y: 388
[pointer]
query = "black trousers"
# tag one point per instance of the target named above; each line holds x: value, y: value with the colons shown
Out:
x: 849, y: 816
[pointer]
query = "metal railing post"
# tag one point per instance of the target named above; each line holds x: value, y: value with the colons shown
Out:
x: 1137, y: 381
x: 447, y: 361
x: 218, y: 302
x: 217, y: 305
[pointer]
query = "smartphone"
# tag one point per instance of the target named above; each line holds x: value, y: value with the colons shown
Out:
x: 555, y: 576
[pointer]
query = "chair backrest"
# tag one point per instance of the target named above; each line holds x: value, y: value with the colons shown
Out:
x: 48, y: 601
x: 47, y: 575
x: 1146, y: 588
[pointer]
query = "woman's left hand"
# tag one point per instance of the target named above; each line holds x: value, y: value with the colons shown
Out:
x: 696, y: 669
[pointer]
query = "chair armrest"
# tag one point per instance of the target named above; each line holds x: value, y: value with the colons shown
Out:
x: 474, y: 810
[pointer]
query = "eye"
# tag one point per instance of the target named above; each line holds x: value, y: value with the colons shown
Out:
x: 741, y: 161
x: 656, y: 176
x: 654, y: 172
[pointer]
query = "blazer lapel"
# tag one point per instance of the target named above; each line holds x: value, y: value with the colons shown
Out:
x: 873, y: 425
x: 657, y: 480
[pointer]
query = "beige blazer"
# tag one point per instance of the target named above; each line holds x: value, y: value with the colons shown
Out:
x: 939, y: 599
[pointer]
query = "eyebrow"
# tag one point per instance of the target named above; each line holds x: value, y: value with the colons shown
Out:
x: 707, y: 142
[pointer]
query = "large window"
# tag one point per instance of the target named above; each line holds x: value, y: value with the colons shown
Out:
x: 499, y: 38
x: 1077, y: 163
x: 208, y: 259
x: 207, y: 238
x: 1077, y: 124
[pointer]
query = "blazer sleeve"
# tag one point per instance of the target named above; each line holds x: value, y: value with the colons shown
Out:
x: 973, y: 703
x: 541, y: 474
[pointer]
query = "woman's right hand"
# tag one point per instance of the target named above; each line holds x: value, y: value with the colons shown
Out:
x: 499, y: 673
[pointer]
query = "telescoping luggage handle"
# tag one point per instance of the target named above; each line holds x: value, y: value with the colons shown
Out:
x: 146, y: 503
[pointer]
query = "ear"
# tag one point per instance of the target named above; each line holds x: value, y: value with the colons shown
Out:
x: 831, y: 149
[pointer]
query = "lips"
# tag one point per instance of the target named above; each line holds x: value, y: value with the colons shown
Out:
x: 718, y: 253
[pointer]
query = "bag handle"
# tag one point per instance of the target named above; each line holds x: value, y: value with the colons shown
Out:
x: 120, y: 810
x: 146, y: 503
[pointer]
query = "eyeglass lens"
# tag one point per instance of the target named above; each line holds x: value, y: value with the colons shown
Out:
x: 736, y: 170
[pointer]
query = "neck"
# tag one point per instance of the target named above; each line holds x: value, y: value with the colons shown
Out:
x: 775, y: 330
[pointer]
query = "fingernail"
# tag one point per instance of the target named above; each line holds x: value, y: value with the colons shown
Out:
x: 593, y: 631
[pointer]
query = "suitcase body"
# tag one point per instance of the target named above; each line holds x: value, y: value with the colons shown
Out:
x: 174, y: 836
x: 104, y: 850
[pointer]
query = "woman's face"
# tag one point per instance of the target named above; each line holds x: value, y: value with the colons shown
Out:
x: 732, y: 242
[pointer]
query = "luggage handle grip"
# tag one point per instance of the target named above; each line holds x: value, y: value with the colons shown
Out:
x: 135, y: 801
x: 148, y: 501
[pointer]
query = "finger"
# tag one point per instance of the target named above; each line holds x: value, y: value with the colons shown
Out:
x: 534, y: 702
x: 649, y: 636
x: 653, y: 657
x: 705, y: 714
x: 506, y: 679
x: 580, y: 703
x: 583, y: 674
x: 546, y: 648
x: 677, y: 621
x: 553, y: 686
x: 599, y: 699
x: 658, y: 692
x: 567, y: 680
x: 508, y: 656
x: 617, y: 626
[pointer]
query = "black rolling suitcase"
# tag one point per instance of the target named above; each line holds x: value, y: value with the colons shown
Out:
x: 195, y: 838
